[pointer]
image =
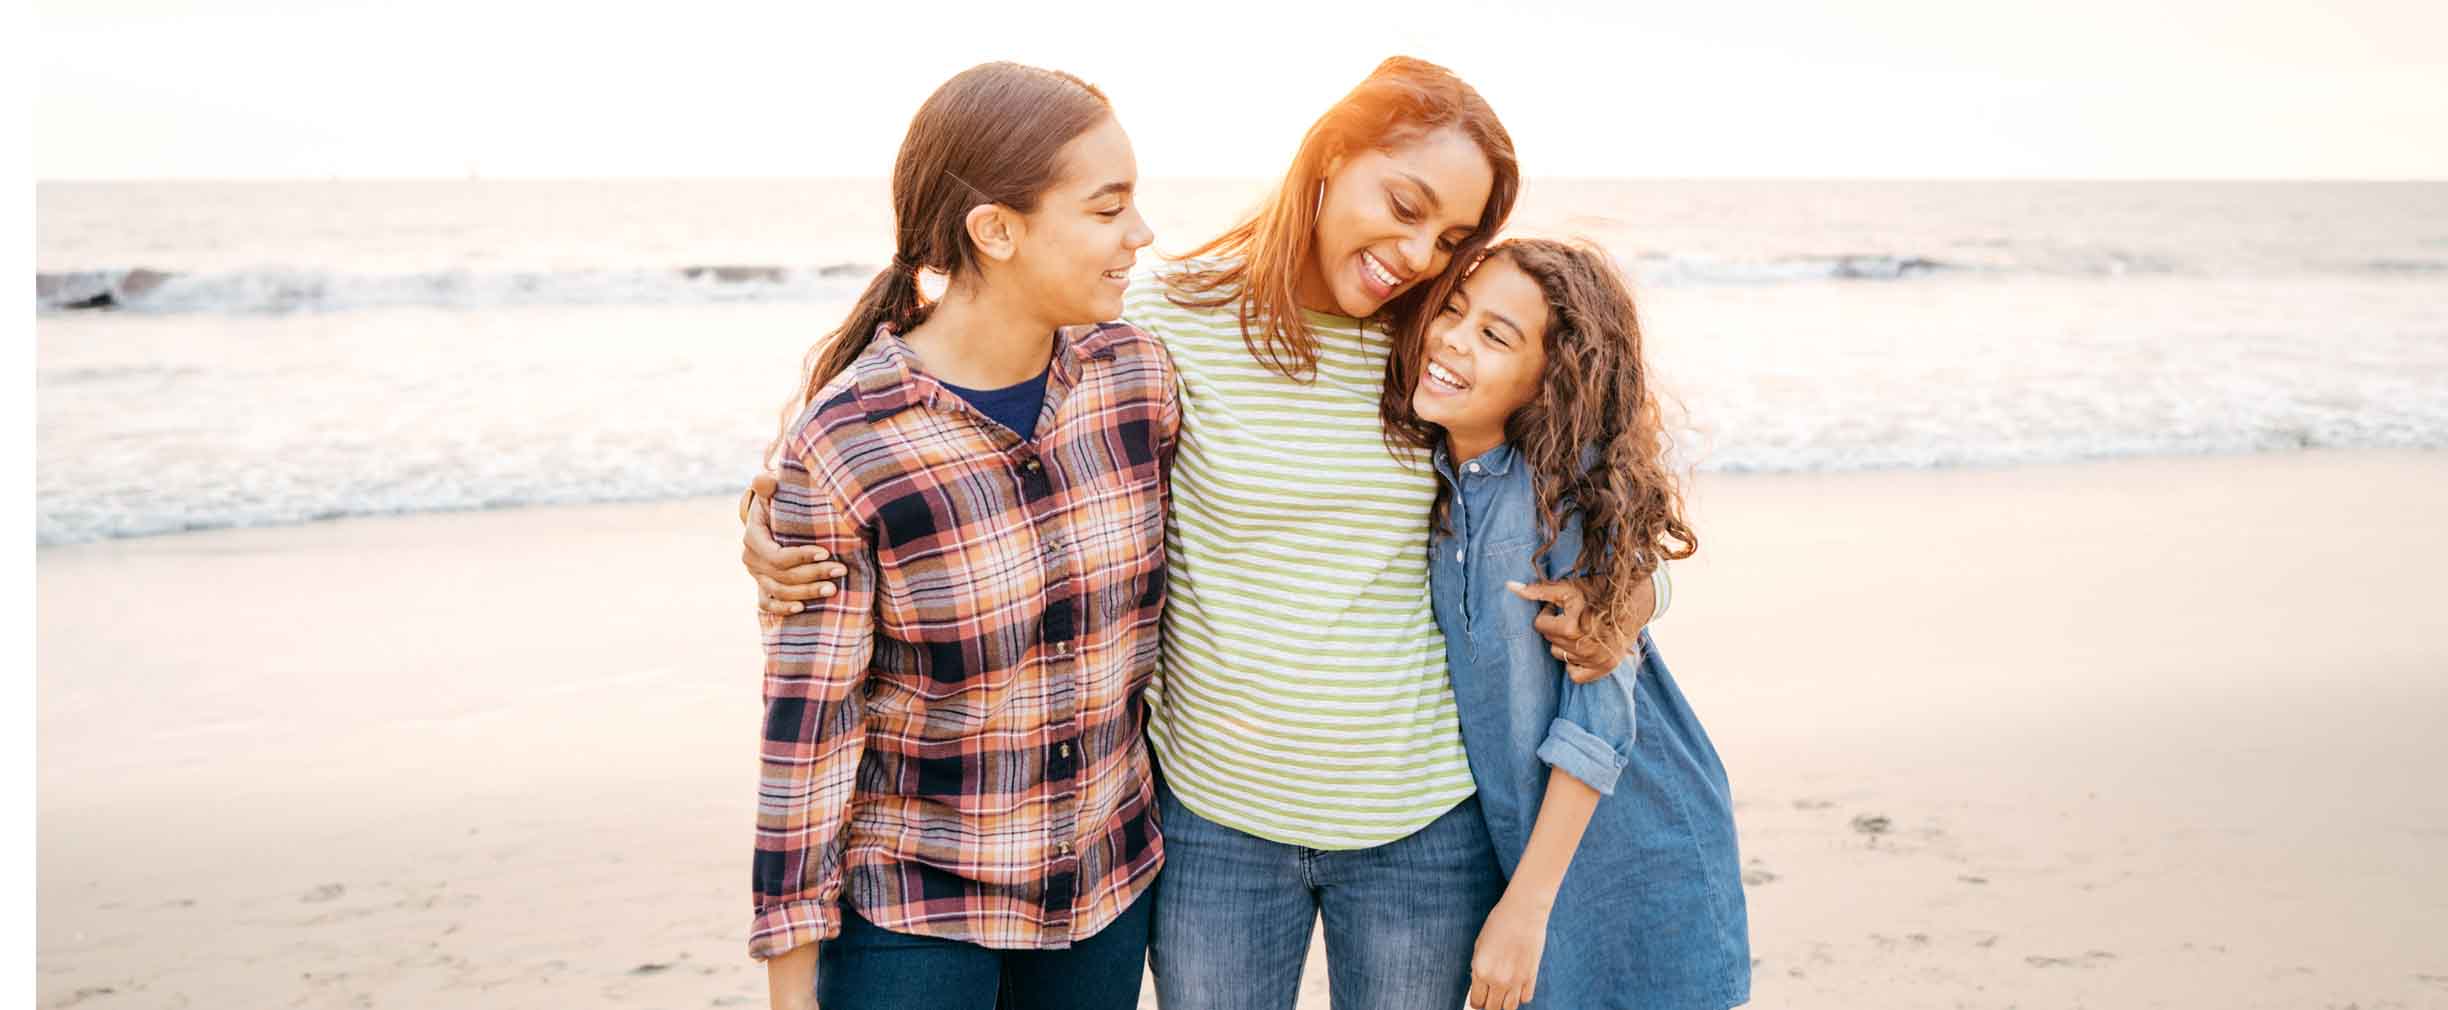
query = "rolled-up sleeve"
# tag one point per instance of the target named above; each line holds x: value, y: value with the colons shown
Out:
x: 1593, y: 732
x: 815, y: 723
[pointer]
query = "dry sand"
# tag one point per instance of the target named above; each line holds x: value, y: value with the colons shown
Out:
x: 2134, y: 734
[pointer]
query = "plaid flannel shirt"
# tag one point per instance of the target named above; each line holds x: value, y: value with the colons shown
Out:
x: 953, y: 742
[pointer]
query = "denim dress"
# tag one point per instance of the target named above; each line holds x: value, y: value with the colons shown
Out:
x: 1651, y: 912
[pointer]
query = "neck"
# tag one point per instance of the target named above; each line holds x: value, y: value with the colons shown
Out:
x: 1465, y: 446
x: 1311, y: 291
x: 982, y: 339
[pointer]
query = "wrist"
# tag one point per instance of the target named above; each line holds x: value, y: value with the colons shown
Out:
x: 1531, y: 895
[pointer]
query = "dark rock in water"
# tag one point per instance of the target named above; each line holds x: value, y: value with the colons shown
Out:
x: 100, y: 301
x: 736, y: 275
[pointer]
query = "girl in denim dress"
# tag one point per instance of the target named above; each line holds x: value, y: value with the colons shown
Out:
x: 1608, y: 807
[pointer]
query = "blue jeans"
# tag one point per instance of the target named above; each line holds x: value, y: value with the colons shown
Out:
x: 1234, y: 914
x: 869, y: 967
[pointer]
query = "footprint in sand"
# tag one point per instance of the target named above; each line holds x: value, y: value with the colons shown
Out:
x: 84, y: 994
x: 1807, y: 804
x: 326, y: 892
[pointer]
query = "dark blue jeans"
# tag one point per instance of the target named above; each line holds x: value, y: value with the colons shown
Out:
x: 869, y: 967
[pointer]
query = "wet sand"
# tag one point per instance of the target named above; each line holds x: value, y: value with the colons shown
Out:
x: 2135, y: 734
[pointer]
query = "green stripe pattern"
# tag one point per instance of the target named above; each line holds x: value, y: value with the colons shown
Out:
x: 1303, y: 694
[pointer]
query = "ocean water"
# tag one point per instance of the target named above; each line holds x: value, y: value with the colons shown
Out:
x: 227, y: 354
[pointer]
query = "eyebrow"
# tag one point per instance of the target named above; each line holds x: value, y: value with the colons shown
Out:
x: 1518, y: 332
x: 1425, y: 189
x: 1109, y: 189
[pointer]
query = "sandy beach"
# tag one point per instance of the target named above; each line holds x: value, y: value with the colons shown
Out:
x: 2147, y: 733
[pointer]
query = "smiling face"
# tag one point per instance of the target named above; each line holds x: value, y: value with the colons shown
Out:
x: 1486, y: 356
x: 1075, y: 251
x: 1390, y: 219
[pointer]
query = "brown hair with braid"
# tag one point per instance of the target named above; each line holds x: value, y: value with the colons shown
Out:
x: 992, y: 134
x: 1594, y: 437
x: 1264, y: 257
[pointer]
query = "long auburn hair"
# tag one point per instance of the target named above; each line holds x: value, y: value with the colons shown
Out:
x: 993, y: 134
x: 1595, y: 436
x: 1263, y: 256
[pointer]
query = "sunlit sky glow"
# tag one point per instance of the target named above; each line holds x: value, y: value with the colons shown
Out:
x: 2072, y: 88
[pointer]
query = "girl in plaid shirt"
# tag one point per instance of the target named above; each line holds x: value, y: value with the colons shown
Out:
x: 957, y: 804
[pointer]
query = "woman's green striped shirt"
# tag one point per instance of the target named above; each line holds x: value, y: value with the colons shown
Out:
x: 1303, y: 694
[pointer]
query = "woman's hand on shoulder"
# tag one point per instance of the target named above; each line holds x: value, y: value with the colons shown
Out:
x: 1587, y: 654
x: 786, y: 577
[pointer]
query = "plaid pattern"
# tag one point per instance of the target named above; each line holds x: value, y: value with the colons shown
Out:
x: 954, y: 741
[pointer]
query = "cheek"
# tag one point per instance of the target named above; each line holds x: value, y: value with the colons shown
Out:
x: 1520, y: 386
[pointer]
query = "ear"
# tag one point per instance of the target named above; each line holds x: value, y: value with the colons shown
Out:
x: 995, y: 230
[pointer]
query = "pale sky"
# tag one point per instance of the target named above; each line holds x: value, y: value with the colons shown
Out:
x: 2068, y: 88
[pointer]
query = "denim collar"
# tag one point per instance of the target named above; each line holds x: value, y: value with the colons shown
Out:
x: 1495, y: 462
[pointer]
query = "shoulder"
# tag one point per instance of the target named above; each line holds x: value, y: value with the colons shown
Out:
x: 1150, y: 299
x: 837, y: 428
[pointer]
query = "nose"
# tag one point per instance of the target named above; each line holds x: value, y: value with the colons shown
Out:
x: 1446, y: 334
x: 1140, y: 236
x: 1418, y: 252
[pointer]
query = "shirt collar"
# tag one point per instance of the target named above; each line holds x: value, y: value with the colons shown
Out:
x: 890, y: 380
x: 1495, y: 462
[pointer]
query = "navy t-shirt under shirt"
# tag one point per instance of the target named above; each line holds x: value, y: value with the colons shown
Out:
x: 1014, y: 407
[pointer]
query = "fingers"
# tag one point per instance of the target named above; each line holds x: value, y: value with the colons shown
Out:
x: 775, y: 589
x: 1583, y: 675
x: 1544, y: 592
x: 1478, y: 994
x: 1509, y: 999
x: 778, y: 608
x: 763, y: 484
x: 807, y: 573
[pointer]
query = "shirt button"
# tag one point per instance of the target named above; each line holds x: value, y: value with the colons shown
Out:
x: 1457, y: 554
x: 1062, y: 648
x: 1032, y: 466
x: 1474, y: 468
x: 1062, y: 849
x: 1062, y: 751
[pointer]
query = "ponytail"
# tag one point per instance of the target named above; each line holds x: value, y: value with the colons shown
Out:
x: 891, y: 298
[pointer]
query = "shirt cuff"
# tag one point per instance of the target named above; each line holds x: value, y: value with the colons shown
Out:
x: 791, y: 925
x: 1581, y: 754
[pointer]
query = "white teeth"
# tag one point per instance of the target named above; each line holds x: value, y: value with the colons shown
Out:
x: 1444, y: 377
x: 1377, y: 270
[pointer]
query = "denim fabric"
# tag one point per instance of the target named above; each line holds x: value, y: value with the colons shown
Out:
x: 869, y: 967
x: 1651, y: 914
x: 1234, y: 913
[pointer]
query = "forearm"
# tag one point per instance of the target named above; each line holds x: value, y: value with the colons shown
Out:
x: 1562, y: 818
x: 816, y: 664
x: 790, y: 979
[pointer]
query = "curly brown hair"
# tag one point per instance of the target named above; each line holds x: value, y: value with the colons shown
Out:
x: 1595, y: 437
